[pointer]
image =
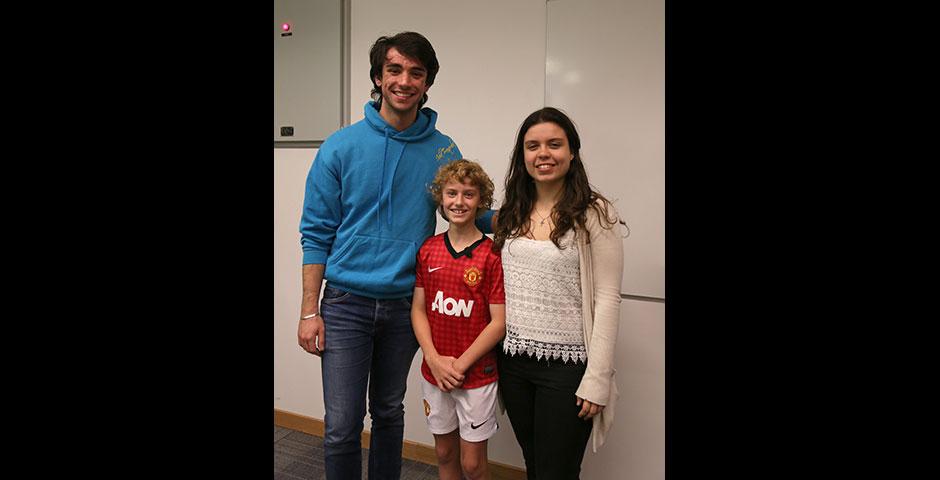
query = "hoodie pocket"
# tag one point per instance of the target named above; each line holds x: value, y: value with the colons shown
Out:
x: 375, y: 264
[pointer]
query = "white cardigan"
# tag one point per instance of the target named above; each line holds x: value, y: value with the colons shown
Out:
x: 601, y: 263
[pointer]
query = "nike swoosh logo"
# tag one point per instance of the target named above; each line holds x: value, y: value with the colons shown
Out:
x: 431, y: 270
x: 476, y: 426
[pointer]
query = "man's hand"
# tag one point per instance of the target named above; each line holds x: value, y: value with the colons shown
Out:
x: 311, y: 335
x: 311, y: 331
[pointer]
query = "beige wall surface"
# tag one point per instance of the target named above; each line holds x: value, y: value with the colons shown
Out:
x: 297, y: 384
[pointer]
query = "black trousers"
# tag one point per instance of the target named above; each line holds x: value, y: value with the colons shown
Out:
x: 540, y: 401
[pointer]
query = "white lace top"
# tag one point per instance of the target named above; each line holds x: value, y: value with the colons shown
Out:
x: 543, y: 299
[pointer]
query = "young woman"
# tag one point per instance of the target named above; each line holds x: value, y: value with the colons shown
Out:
x: 562, y: 257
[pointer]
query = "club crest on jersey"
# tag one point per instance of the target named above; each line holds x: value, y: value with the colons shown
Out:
x: 472, y: 276
x: 427, y: 408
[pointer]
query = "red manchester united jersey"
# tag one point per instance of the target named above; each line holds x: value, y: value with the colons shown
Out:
x: 458, y: 290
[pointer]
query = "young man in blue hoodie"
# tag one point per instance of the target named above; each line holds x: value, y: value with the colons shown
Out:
x: 366, y: 212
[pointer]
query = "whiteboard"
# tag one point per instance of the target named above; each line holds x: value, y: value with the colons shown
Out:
x: 605, y: 67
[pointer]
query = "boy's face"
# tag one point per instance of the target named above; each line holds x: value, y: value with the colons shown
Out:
x: 459, y: 201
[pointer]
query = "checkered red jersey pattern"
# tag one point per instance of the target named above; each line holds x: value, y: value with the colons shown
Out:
x: 450, y: 285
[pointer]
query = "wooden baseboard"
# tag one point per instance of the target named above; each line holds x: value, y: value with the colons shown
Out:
x: 418, y: 452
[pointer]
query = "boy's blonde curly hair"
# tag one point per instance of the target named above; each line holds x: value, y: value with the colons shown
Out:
x: 458, y: 171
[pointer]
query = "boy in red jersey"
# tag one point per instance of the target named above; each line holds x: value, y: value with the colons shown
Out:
x: 459, y: 314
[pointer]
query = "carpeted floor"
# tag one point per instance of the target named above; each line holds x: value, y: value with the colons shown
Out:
x: 299, y: 456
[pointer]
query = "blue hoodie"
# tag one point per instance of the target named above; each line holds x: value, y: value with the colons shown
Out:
x: 367, y: 208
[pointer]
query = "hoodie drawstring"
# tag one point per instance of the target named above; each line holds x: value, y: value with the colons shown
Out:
x: 378, y: 211
x: 387, y: 194
x: 391, y: 180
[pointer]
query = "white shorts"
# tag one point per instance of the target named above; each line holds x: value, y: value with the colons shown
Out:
x: 473, y: 410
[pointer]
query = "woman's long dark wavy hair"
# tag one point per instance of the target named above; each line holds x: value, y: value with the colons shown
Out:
x: 577, y: 195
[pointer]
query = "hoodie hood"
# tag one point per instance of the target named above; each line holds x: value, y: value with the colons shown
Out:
x: 422, y: 128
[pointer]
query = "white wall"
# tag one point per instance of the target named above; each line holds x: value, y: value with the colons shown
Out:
x: 297, y: 384
x: 636, y: 445
x: 492, y: 55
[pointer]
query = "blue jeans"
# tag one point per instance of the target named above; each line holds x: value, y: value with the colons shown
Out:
x: 369, y: 342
